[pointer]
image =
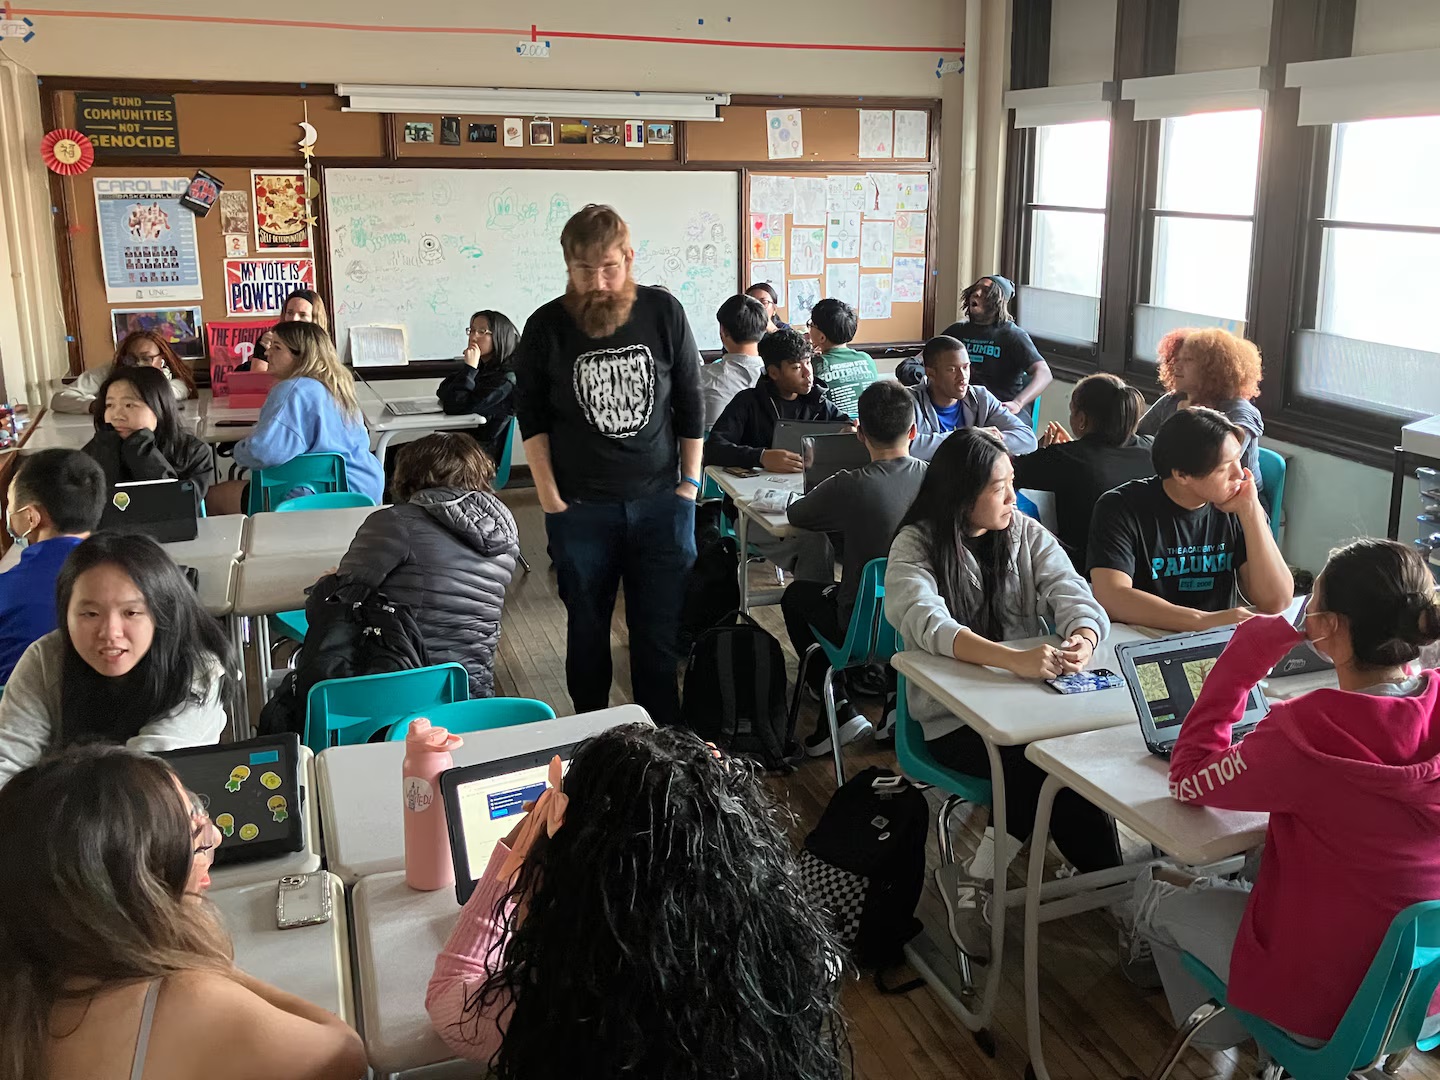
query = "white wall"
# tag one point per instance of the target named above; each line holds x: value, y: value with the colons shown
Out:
x: 1385, y: 26
x: 1082, y: 42
x: 1215, y: 35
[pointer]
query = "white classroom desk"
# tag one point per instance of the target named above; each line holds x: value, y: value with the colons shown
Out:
x: 385, y: 427
x: 222, y: 424
x: 741, y: 490
x: 311, y: 962
x: 359, y: 786
x: 1113, y: 770
x: 309, y: 531
x: 304, y: 861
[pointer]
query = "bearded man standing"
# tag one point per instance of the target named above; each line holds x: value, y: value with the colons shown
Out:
x: 608, y: 400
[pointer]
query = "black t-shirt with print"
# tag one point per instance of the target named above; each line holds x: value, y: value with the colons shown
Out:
x: 1001, y: 356
x: 1188, y: 557
x: 613, y: 407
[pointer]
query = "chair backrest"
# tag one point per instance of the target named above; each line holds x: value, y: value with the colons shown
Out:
x: 319, y: 472
x: 870, y: 639
x: 330, y: 500
x: 1035, y: 413
x: 507, y: 454
x: 1272, y: 480
x: 341, y: 712
x: 478, y: 714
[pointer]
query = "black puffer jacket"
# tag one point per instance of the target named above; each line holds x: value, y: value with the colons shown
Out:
x: 449, y: 555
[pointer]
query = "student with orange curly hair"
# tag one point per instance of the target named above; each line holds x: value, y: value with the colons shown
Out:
x: 140, y: 348
x: 1216, y: 369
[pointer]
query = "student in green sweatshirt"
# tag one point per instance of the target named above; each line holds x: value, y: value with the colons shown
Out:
x: 844, y: 372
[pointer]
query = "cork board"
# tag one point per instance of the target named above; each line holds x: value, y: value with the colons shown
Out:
x: 831, y: 136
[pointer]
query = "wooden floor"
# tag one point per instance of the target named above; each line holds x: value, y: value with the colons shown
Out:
x: 1097, y: 1024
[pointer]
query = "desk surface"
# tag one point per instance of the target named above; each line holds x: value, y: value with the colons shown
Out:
x: 312, y: 962
x: 1114, y: 770
x: 1011, y: 711
x: 305, y: 531
x: 742, y: 489
x: 359, y: 786
x: 304, y: 861
x: 269, y: 584
x: 216, y: 538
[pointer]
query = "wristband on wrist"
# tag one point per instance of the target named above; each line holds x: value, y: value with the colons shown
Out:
x: 690, y: 480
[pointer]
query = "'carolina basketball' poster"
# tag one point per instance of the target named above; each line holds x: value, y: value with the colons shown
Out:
x: 147, y: 240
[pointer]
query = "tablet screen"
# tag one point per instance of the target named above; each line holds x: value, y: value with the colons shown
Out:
x: 1172, y: 683
x: 491, y: 807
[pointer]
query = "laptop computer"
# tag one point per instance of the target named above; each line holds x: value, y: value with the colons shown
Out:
x: 826, y: 455
x: 1164, y: 677
x: 413, y: 407
x: 484, y: 802
x: 788, y: 433
x: 164, y: 510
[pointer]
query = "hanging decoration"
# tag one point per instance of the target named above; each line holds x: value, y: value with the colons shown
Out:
x: 67, y: 152
x: 307, y: 151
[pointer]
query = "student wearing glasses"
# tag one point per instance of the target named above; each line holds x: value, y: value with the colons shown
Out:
x: 485, y: 386
x: 770, y: 301
x: 143, y: 348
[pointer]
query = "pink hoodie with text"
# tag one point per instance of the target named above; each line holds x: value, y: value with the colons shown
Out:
x: 1352, y: 785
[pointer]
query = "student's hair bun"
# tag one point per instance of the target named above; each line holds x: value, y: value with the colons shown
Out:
x: 1420, y: 624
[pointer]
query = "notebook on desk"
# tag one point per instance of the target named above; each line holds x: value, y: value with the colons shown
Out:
x: 413, y: 407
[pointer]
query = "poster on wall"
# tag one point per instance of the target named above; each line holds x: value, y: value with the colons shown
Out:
x: 280, y: 211
x: 147, y: 240
x: 128, y: 124
x: 231, y: 344
x: 260, y: 286
x: 179, y: 326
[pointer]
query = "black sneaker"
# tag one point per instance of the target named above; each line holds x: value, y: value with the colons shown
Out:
x: 850, y: 723
x: 885, y: 733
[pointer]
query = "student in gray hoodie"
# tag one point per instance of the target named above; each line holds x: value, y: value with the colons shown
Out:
x: 965, y: 573
x: 945, y: 401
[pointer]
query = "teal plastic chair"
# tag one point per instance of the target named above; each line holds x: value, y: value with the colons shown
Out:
x: 1386, y: 1016
x: 478, y: 714
x: 1035, y: 414
x: 330, y: 500
x: 342, y: 712
x: 319, y: 472
x: 1272, y: 494
x: 868, y: 640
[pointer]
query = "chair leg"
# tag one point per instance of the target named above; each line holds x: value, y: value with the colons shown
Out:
x: 946, y: 840
x: 834, y: 726
x: 1188, y: 1030
x: 523, y: 564
x: 800, y: 684
x: 1393, y: 1062
x: 1272, y: 1070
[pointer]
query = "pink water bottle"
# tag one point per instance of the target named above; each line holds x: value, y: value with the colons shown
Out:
x: 427, y: 844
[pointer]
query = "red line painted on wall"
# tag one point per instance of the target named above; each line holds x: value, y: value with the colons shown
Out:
x: 371, y: 28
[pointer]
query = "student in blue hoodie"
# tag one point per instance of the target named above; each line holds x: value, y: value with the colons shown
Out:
x: 311, y: 410
x: 55, y: 501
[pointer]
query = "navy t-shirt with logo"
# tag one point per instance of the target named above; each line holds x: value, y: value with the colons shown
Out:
x: 1188, y: 557
x: 1001, y: 356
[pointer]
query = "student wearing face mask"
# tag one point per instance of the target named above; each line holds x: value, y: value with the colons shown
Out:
x: 485, y: 385
x: 138, y: 434
x: 142, y: 348
x: 136, y: 659
x: 302, y: 305
x: 55, y: 501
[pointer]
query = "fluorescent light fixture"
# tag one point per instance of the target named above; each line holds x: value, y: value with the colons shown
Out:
x: 500, y: 101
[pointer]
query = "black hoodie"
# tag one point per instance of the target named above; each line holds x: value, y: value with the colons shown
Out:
x: 747, y: 426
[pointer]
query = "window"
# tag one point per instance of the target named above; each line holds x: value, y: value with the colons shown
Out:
x: 1374, y: 341
x: 1202, y: 224
x: 1066, y: 227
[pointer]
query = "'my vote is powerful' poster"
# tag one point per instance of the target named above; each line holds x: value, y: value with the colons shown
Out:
x: 260, y: 286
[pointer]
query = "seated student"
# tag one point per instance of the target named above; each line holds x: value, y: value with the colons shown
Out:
x: 1007, y: 363
x: 764, y: 292
x: 864, y: 507
x: 742, y: 325
x: 302, y: 305
x: 311, y: 410
x: 138, y: 435
x: 55, y: 501
x: 966, y: 573
x: 141, y: 348
x: 842, y: 371
x: 592, y: 947
x: 1169, y: 551
x: 135, y: 660
x: 945, y: 401
x: 1104, y: 453
x: 485, y: 386
x: 446, y: 549
x: 1216, y: 369
x: 1346, y: 776
x: 110, y: 963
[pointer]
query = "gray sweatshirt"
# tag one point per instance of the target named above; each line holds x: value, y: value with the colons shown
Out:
x: 30, y: 710
x: 1043, y: 588
x: 79, y: 395
x: 978, y: 408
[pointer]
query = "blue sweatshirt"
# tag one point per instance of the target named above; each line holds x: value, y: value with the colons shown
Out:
x: 27, y: 598
x: 300, y: 417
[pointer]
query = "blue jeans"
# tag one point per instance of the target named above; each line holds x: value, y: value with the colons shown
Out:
x: 649, y: 544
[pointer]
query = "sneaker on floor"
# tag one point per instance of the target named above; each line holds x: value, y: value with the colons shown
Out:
x: 868, y: 681
x: 885, y: 733
x: 967, y: 907
x: 1137, y: 960
x: 850, y: 723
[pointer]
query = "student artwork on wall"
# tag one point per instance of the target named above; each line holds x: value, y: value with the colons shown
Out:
x: 807, y: 251
x: 883, y: 195
x: 804, y: 295
x: 842, y: 282
x: 875, y: 296
x: 912, y: 133
x: 783, y: 134
x: 280, y: 211
x: 810, y: 198
x: 772, y: 194
x: 767, y: 237
x: 908, y: 286
x: 842, y: 235
x: 910, y: 232
x: 913, y: 192
x: 877, y: 244
x: 180, y: 327
x: 772, y: 274
x: 147, y: 239
x: 877, y: 132
x: 846, y: 193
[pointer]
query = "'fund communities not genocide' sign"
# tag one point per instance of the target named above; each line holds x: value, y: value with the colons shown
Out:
x: 129, y: 123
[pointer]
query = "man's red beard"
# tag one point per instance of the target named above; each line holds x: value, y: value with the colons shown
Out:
x: 599, y: 313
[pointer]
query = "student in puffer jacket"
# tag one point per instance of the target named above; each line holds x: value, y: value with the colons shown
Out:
x: 446, y: 549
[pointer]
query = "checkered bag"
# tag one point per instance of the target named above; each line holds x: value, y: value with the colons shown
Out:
x: 864, y: 864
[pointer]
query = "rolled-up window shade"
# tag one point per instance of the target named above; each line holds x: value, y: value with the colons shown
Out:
x: 1047, y: 105
x: 1354, y: 88
x: 1161, y: 96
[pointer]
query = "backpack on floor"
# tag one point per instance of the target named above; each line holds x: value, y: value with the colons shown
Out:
x: 711, y: 590
x: 734, y: 692
x: 864, y: 864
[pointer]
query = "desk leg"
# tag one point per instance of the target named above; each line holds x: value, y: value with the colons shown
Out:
x: 385, y: 439
x: 742, y: 534
x: 1039, y: 841
x: 262, y: 660
x: 1398, y: 469
x: 240, y: 700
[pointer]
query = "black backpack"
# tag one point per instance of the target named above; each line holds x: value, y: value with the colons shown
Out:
x: 864, y: 864
x: 735, y: 692
x: 353, y: 630
x: 711, y: 590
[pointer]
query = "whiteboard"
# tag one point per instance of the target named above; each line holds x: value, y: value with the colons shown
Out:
x: 425, y: 248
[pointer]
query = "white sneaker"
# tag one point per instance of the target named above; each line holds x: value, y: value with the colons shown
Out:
x: 967, y: 907
x: 856, y: 727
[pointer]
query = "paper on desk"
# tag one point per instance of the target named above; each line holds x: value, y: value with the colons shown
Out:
x: 772, y: 500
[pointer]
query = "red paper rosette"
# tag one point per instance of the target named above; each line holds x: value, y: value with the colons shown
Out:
x: 67, y: 152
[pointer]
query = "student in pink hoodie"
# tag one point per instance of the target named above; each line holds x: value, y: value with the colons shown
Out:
x: 645, y: 922
x: 1351, y: 779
